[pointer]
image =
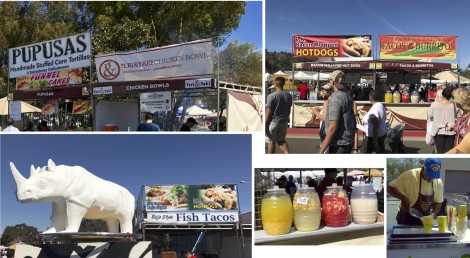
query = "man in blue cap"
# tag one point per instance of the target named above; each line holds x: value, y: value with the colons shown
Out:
x: 420, y: 190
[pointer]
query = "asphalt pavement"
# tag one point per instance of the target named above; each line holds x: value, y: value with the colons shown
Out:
x: 310, y: 144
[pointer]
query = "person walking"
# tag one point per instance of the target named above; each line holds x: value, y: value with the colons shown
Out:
x: 148, y: 126
x: 442, y: 114
x: 186, y: 127
x: 376, y: 126
x: 278, y: 108
x: 321, y: 113
x: 11, y: 128
x: 339, y: 123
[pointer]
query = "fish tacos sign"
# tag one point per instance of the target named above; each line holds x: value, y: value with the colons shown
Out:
x: 48, y: 56
x: 191, y: 59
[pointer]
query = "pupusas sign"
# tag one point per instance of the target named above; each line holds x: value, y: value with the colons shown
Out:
x: 53, y: 55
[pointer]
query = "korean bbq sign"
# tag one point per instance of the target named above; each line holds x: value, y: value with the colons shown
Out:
x: 53, y: 55
x: 305, y: 46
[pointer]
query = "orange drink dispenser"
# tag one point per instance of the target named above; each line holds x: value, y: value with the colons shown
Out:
x: 388, y: 97
x: 276, y: 212
x: 335, y: 206
x: 307, y: 209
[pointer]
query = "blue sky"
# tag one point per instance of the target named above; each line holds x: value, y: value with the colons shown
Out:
x: 128, y: 160
x: 341, y: 17
x: 250, y: 29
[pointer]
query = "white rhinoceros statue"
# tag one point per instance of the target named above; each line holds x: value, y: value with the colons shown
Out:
x: 75, y: 194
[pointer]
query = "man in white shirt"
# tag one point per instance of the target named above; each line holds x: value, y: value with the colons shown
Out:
x: 10, y: 128
x: 375, y: 121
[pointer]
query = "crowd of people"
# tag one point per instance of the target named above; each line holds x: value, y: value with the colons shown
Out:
x: 449, y: 114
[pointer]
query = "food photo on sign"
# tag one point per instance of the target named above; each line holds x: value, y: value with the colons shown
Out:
x: 177, y: 204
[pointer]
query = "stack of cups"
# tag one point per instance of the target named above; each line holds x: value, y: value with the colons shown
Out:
x: 461, y: 226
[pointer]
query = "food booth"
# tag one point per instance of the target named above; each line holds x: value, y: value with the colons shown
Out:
x: 399, y: 62
x: 454, y: 239
x: 414, y: 115
x: 198, y: 218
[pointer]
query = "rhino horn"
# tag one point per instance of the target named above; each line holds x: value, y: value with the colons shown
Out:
x: 33, y: 172
x: 51, y: 165
x: 19, y: 179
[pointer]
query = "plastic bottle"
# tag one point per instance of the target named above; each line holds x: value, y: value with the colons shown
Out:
x: 388, y: 97
x: 396, y: 97
x: 276, y: 212
x: 307, y: 209
x: 364, y: 204
x: 335, y: 206
x: 414, y: 97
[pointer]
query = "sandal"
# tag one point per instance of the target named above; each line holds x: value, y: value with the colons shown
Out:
x: 355, y: 151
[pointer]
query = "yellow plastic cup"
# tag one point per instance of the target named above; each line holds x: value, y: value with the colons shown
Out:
x: 441, y: 223
x: 427, y: 222
x: 462, y: 211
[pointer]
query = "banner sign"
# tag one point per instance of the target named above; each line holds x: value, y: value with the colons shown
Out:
x: 81, y: 107
x: 52, y: 93
x: 135, y: 87
x: 192, y: 217
x: 50, y: 79
x: 15, y: 110
x: 333, y: 46
x: 418, y: 47
x: 371, y: 65
x: 176, y: 61
x: 155, y: 101
x: 48, y: 56
x: 141, y: 249
x: 191, y: 197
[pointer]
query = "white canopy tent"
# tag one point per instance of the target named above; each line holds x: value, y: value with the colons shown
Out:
x: 197, y: 111
x: 25, y: 107
x: 450, y: 76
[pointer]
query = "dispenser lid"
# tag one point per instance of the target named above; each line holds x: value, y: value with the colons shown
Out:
x: 275, y: 188
x: 334, y: 186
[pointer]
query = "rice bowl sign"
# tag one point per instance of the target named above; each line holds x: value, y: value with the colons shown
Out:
x: 48, y: 56
x: 191, y: 59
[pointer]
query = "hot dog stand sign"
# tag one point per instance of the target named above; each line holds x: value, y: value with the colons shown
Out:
x: 221, y: 197
x: 333, y: 46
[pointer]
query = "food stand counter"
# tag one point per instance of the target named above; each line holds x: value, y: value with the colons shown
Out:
x: 353, y: 234
x: 460, y: 249
x: 414, y: 115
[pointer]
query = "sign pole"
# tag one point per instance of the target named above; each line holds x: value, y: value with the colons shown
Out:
x: 218, y: 87
x: 8, y: 83
x: 92, y: 99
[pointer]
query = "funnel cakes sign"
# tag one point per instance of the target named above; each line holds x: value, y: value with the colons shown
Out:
x: 191, y: 59
x: 191, y: 197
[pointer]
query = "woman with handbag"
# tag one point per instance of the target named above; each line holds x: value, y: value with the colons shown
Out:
x: 442, y: 115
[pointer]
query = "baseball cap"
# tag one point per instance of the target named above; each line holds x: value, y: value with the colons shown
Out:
x: 337, y: 76
x: 433, y: 167
x: 192, y: 120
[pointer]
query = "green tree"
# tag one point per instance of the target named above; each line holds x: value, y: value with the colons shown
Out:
x: 120, y: 26
x: 397, y: 166
x: 19, y: 233
x: 241, y: 64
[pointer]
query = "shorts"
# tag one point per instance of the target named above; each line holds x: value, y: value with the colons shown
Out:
x: 277, y: 132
